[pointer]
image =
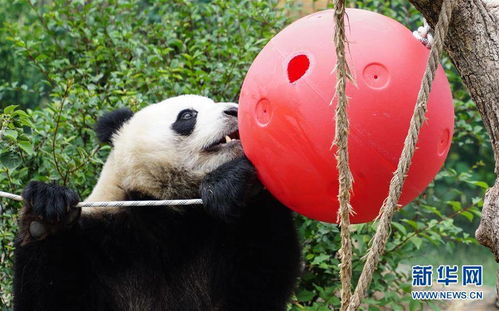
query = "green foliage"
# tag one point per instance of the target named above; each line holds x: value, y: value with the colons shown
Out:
x: 19, y: 81
x: 65, y: 62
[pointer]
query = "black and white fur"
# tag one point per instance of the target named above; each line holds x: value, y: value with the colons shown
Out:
x: 237, y: 252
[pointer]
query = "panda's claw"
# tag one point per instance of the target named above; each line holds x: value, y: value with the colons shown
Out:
x: 48, y: 209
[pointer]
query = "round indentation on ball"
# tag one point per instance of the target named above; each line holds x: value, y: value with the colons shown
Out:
x: 263, y: 112
x: 376, y: 76
x: 297, y: 67
x: 443, y: 144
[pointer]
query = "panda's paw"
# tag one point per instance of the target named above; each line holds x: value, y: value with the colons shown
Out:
x: 48, y: 209
x: 226, y: 190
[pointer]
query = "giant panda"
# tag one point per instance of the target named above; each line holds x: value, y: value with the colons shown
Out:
x: 237, y: 251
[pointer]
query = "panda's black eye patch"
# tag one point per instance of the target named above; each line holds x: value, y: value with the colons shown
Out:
x: 186, y: 121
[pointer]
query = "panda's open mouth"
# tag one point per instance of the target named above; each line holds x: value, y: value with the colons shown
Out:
x: 226, y: 140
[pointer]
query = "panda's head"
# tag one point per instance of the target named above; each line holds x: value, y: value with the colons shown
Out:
x: 181, y: 138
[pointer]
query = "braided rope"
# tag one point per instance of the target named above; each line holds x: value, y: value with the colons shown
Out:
x: 119, y: 203
x: 140, y: 203
x: 341, y: 141
x: 11, y: 196
x: 389, y: 205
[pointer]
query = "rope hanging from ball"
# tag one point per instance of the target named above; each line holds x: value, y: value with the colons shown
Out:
x: 341, y: 141
x: 378, y: 242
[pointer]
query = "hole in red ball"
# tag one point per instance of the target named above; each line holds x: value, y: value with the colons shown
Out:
x: 297, y: 67
x: 375, y: 76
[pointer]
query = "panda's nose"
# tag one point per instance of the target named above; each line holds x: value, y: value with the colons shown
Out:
x: 231, y: 112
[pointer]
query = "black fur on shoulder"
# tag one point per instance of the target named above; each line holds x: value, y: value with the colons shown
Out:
x: 110, y: 123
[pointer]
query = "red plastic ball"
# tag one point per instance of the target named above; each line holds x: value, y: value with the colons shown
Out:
x: 286, y: 122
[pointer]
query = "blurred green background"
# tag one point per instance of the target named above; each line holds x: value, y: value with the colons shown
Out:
x: 62, y: 63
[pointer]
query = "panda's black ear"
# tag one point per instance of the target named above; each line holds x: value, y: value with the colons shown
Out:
x: 110, y: 123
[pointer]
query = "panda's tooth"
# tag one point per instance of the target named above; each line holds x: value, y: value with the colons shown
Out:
x: 227, y: 139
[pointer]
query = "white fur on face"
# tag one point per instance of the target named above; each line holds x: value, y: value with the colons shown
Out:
x: 147, y: 147
x: 149, y: 134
